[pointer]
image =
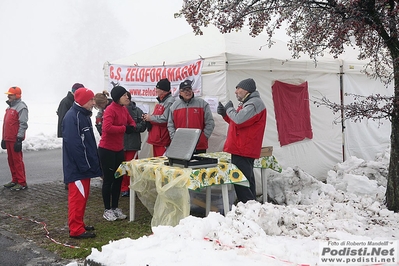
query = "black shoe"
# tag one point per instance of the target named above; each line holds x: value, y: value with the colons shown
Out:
x: 84, y: 235
x: 89, y: 228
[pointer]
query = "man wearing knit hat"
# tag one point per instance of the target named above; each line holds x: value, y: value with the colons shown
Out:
x: 158, y: 135
x: 80, y: 160
x: 245, y: 133
x: 15, y: 123
x: 63, y: 107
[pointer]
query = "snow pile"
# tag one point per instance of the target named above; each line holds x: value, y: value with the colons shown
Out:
x: 348, y: 207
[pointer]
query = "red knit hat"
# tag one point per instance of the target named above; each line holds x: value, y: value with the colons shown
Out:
x: 83, y: 95
x: 16, y: 91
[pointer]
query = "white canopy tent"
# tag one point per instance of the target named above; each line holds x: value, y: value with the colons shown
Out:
x: 230, y: 58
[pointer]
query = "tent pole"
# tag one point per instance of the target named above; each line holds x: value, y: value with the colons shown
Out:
x: 341, y: 85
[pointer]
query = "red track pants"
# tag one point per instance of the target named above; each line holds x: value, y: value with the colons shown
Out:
x: 78, y: 193
x: 16, y: 164
x: 158, y: 150
x: 129, y: 155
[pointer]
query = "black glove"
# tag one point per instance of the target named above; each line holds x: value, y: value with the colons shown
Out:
x: 228, y: 105
x: 3, y: 144
x: 141, y: 126
x: 149, y: 125
x: 129, y: 129
x: 18, y: 145
x: 99, y: 129
x: 221, y: 110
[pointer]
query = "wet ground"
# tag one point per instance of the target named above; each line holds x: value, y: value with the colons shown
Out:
x: 18, y: 212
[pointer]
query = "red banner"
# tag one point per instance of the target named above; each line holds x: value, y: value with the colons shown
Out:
x: 140, y: 81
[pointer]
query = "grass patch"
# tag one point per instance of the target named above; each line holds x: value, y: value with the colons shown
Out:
x: 45, y: 206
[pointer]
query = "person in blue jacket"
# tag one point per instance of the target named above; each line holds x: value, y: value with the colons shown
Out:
x: 80, y: 160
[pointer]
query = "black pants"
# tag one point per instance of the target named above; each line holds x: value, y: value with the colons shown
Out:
x: 246, y: 166
x: 110, y: 161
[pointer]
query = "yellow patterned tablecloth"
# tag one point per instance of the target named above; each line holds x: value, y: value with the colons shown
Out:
x: 263, y: 162
x: 164, y: 189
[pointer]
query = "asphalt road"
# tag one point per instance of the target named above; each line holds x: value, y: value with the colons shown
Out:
x: 41, y: 167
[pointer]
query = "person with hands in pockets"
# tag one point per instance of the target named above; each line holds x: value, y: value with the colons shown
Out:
x: 116, y: 122
x: 80, y: 160
x: 15, y: 124
x: 245, y: 133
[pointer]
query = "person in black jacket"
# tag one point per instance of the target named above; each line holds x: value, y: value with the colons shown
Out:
x: 65, y: 105
x: 132, y: 142
x: 80, y: 160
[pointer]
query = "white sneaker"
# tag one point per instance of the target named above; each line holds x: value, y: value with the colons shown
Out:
x: 109, y: 215
x: 118, y: 214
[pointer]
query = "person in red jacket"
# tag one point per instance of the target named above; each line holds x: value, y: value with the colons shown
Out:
x: 158, y: 135
x: 191, y: 112
x: 15, y: 124
x: 116, y: 122
x: 245, y: 133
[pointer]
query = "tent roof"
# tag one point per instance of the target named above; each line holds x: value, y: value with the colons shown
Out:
x: 236, y: 50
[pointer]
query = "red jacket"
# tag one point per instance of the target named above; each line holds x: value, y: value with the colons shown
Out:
x: 159, y: 134
x: 193, y: 114
x: 15, y: 121
x: 116, y: 118
x: 246, y: 127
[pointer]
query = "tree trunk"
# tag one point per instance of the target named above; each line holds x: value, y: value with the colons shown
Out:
x: 392, y: 193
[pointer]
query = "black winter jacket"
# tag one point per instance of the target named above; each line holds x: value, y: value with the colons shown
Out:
x: 132, y: 142
x: 63, y: 107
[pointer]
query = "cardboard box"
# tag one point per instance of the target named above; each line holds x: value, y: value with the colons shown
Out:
x: 266, y: 151
x: 198, y: 200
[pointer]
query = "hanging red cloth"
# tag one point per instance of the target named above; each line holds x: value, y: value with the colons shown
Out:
x: 291, y: 107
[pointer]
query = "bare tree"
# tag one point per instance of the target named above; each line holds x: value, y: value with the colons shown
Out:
x: 318, y: 26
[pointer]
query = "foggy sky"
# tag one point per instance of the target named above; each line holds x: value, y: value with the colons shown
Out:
x: 48, y: 45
